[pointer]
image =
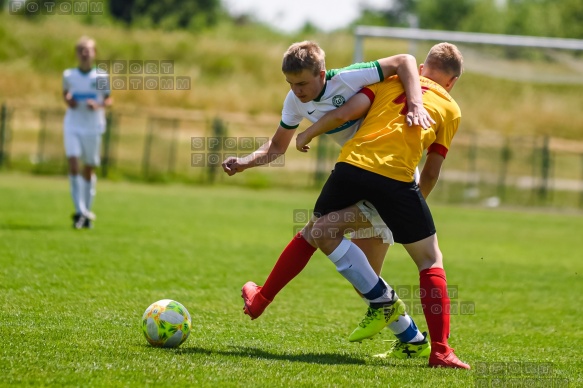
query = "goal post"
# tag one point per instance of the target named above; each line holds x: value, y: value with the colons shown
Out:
x: 415, y: 34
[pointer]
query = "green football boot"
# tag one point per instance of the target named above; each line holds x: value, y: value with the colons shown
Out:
x: 376, y: 320
x: 404, y: 350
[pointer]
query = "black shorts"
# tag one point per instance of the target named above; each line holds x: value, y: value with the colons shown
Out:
x: 400, y: 204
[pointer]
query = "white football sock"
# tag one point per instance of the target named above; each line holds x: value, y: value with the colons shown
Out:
x: 351, y: 262
x: 75, y: 184
x: 381, y: 294
x: 89, y: 191
x: 405, y: 329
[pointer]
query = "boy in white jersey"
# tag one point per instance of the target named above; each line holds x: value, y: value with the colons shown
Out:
x: 86, y: 93
x: 315, y: 91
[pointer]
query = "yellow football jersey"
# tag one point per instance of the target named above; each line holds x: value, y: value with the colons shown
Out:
x: 385, y: 145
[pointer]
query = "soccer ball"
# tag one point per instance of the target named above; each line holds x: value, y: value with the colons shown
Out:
x: 166, y: 323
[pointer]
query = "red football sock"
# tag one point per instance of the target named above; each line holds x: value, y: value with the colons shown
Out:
x: 291, y: 262
x: 436, y: 307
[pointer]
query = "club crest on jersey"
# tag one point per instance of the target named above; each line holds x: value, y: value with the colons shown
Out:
x: 338, y: 100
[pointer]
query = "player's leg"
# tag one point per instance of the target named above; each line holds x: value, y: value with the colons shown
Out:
x: 405, y: 211
x: 342, y: 190
x: 435, y: 300
x: 89, y: 185
x: 410, y: 341
x: 290, y: 263
x: 73, y: 152
x: 368, y: 237
x: 371, y: 235
x: 351, y: 262
x: 375, y: 249
x: 91, y: 147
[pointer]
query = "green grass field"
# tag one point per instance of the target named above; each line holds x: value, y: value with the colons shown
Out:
x: 72, y: 300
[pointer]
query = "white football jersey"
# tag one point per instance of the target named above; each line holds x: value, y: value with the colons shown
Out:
x: 84, y: 86
x: 341, y: 84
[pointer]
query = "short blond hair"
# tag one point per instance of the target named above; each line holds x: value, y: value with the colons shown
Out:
x: 447, y: 58
x: 84, y: 41
x: 304, y: 55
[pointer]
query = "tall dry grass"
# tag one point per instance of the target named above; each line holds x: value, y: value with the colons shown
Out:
x: 237, y: 69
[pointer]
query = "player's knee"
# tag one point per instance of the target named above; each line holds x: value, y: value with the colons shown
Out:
x: 320, y: 230
x: 73, y: 166
x: 325, y: 235
x: 316, y: 231
x: 88, y: 172
x: 429, y: 262
x: 307, y: 234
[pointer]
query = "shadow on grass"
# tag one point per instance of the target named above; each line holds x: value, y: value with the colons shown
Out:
x: 311, y: 358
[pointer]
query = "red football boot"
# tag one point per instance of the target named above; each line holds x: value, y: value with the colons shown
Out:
x: 255, y: 303
x: 439, y: 360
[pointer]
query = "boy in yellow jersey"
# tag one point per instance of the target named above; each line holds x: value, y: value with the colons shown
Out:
x: 377, y: 164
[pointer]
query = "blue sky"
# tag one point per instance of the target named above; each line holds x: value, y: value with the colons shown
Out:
x: 290, y: 15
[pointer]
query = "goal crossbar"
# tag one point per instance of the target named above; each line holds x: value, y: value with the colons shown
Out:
x: 416, y: 34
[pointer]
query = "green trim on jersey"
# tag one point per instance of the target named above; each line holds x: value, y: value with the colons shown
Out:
x: 284, y: 125
x: 355, y: 66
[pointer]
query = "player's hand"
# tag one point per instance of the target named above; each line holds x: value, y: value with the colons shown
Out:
x: 231, y: 166
x: 302, y: 141
x: 418, y: 115
x: 92, y: 104
x: 70, y: 100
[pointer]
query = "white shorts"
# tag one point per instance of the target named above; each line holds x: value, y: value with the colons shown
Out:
x: 85, y: 147
x: 379, y: 229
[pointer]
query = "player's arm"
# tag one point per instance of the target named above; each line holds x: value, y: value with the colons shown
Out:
x: 355, y: 108
x: 93, y: 104
x: 103, y: 87
x: 69, y: 100
x: 107, y: 101
x: 267, y: 153
x: 405, y: 66
x: 430, y: 173
x: 67, y: 95
x: 437, y: 152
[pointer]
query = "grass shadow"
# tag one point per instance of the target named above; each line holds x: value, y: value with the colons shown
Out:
x: 311, y: 358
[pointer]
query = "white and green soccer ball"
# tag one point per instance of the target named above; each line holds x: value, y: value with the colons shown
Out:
x: 166, y: 323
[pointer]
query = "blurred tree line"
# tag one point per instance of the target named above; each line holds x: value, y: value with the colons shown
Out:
x: 553, y: 18
x: 168, y: 14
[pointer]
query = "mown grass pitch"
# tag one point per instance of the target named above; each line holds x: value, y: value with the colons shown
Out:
x: 72, y: 300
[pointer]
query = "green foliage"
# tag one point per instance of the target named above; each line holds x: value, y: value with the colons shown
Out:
x: 374, y: 18
x: 516, y: 17
x: 167, y: 14
x: 444, y: 14
x: 486, y: 17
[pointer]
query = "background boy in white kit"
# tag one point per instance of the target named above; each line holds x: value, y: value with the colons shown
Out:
x: 86, y: 93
